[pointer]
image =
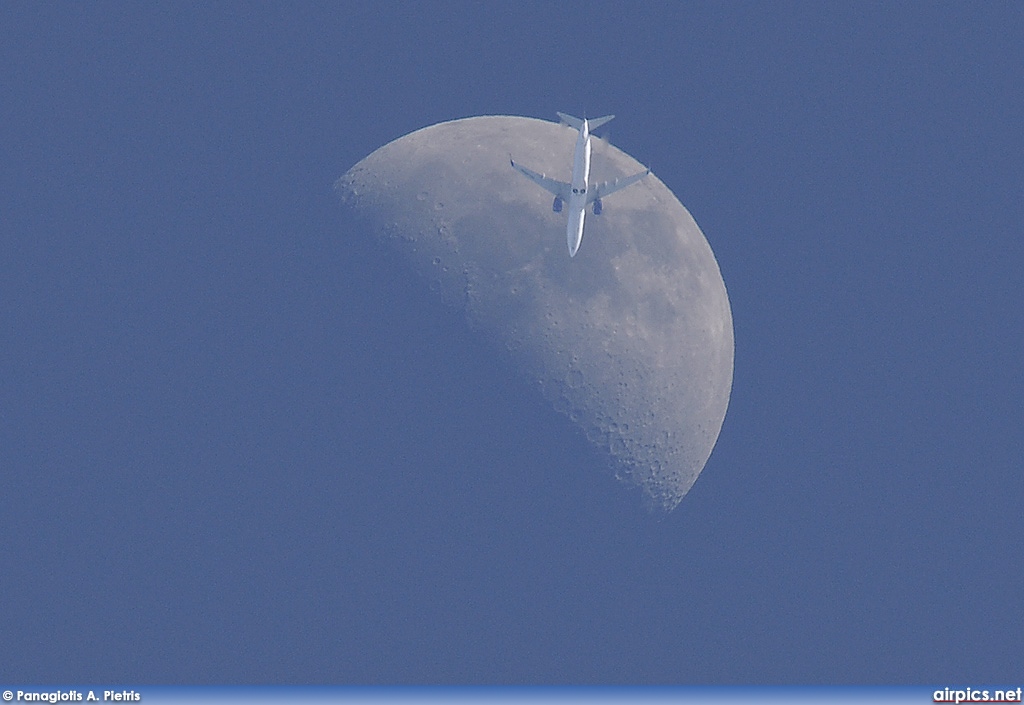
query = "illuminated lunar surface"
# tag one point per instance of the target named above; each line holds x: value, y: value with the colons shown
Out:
x: 632, y: 338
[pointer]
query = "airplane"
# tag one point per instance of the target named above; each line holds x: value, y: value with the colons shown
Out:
x: 577, y: 194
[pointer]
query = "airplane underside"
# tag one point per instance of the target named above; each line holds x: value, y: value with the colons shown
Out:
x: 579, y: 192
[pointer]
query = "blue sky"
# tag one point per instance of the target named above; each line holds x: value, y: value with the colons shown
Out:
x: 239, y: 445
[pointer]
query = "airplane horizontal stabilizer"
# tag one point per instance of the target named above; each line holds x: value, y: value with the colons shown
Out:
x: 578, y: 124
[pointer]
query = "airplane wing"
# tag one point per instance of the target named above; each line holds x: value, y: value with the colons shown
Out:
x: 558, y: 188
x: 610, y: 187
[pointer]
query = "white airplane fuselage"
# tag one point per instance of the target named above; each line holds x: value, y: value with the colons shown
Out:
x: 577, y: 205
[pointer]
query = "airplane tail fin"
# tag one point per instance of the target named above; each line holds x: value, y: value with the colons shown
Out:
x: 578, y: 124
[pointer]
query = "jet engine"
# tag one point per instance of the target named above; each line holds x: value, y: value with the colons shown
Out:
x: 597, y: 206
x: 557, y: 205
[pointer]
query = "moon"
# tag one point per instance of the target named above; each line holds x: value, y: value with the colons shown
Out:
x: 632, y: 339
